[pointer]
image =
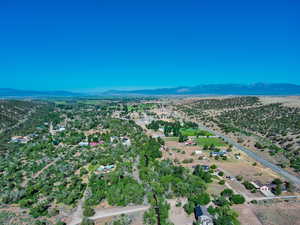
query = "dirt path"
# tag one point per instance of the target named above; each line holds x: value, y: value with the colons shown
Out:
x: 136, y: 176
x: 51, y: 131
x: 46, y: 167
x: 77, y: 215
x: 102, y: 213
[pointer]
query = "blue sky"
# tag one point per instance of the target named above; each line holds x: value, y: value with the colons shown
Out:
x: 95, y: 45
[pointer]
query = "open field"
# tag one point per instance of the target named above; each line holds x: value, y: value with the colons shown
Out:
x: 171, y: 138
x: 210, y: 141
x: 194, y: 132
x: 246, y: 215
x: 284, y: 213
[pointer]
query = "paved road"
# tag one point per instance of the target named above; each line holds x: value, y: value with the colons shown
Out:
x: 253, y: 155
x: 103, y: 213
x: 276, y: 197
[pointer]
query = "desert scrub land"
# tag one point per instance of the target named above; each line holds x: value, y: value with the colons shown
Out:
x: 273, y: 127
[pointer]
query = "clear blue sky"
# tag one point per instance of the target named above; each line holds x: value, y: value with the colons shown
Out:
x: 90, y: 45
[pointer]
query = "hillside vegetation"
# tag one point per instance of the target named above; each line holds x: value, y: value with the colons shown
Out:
x: 278, y: 126
x: 13, y: 112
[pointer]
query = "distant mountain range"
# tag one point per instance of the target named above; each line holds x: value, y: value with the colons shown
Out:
x: 209, y: 89
x: 218, y: 89
x: 8, y: 92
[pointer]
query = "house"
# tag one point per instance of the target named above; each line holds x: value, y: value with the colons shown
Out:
x: 230, y: 178
x: 61, y: 129
x: 82, y: 143
x: 202, y: 215
x: 105, y: 169
x: 264, y: 188
x: 271, y: 186
x: 220, y: 153
x: 161, y: 129
x: 206, y: 220
x: 198, y: 212
x: 20, y: 139
x: 205, y: 168
x: 237, y: 156
x: 190, y: 143
x: 198, y: 152
x: 126, y: 141
x: 94, y: 144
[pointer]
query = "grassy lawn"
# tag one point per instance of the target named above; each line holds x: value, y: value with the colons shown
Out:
x: 171, y: 138
x: 210, y: 141
x: 194, y: 132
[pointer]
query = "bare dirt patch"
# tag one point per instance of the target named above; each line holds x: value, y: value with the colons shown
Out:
x: 292, y: 101
x: 246, y: 215
x: 177, y: 214
x: 284, y: 213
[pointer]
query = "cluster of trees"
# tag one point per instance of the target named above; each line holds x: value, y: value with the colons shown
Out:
x: 60, y: 182
x: 269, y: 119
x: 278, y: 123
x: 13, y: 111
x: 226, y: 103
x: 171, y: 128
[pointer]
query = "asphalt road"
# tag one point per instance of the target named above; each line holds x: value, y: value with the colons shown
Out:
x: 253, y: 155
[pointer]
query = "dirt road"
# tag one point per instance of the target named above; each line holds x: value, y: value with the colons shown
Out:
x: 102, y: 213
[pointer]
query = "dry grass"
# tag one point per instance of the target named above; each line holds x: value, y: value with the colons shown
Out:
x: 246, y: 215
x: 283, y: 213
x: 291, y: 101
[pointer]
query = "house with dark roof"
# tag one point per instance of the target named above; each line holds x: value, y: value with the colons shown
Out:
x: 202, y: 216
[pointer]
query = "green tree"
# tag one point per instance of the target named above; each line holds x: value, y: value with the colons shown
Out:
x: 88, y: 211
x: 227, y: 192
x: 189, y: 207
x: 237, y: 199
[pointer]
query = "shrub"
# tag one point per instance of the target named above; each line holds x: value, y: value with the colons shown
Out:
x: 221, y: 173
x: 248, y: 185
x: 222, y: 182
x: 88, y: 211
x: 60, y: 223
x: 227, y: 192
x: 213, y: 167
x: 221, y: 201
x: 239, y: 178
x: 201, y: 199
x: 211, y: 210
x: 87, y: 221
x: 237, y: 199
x: 39, y: 222
x: 189, y: 207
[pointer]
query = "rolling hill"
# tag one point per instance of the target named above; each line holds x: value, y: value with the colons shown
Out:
x: 218, y: 89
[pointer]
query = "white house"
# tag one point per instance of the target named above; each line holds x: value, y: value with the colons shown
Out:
x: 264, y: 188
x: 82, y: 143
